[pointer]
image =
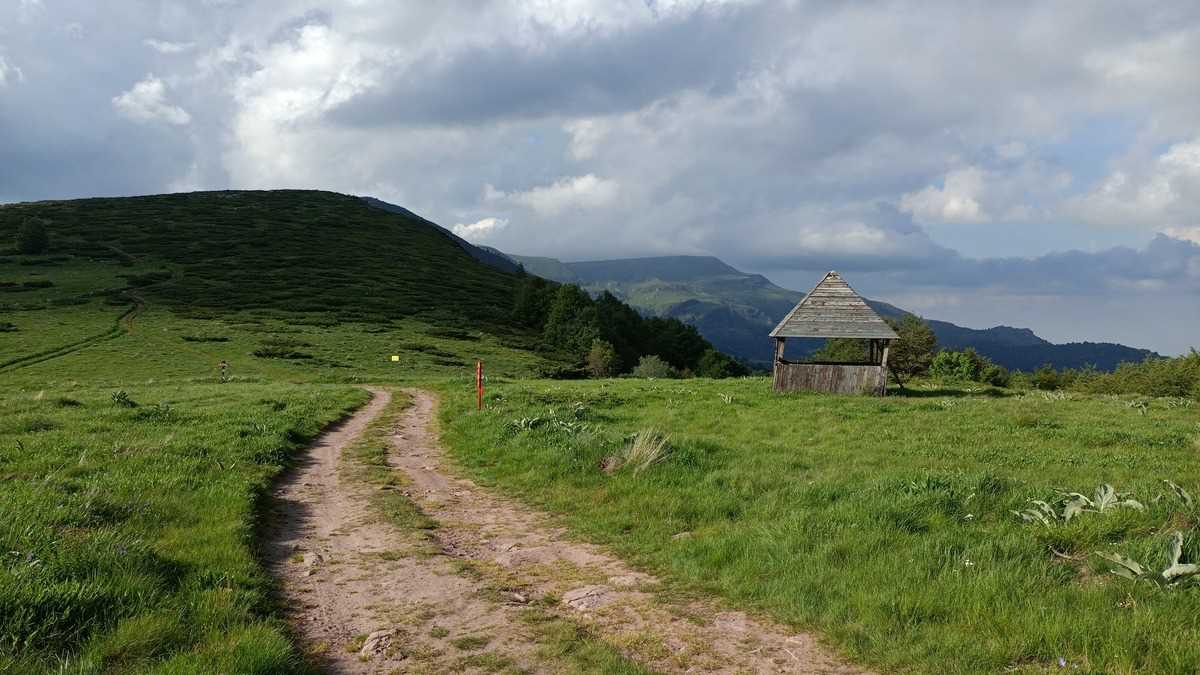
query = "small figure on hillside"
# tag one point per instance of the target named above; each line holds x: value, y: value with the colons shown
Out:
x: 223, y: 366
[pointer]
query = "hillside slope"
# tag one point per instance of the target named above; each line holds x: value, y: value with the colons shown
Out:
x: 301, y: 251
x: 736, y: 310
x: 301, y: 284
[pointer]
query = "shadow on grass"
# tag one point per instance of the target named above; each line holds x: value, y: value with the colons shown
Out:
x: 944, y: 392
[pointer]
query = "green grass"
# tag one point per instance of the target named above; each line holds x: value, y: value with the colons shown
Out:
x: 290, y: 251
x: 127, y: 543
x: 127, y: 533
x: 884, y: 523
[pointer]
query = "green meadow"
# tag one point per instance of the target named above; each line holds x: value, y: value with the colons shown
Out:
x: 885, y: 524
x: 134, y: 477
x: 128, y: 523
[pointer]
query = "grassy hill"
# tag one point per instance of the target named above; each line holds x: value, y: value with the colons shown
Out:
x: 736, y: 310
x: 314, y: 284
x: 284, y: 250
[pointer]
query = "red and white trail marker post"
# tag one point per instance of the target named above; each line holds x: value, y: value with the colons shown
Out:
x: 479, y: 385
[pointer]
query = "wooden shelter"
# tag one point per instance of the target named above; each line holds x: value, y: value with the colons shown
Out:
x: 833, y: 310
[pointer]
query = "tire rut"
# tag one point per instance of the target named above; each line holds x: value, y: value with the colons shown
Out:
x: 625, y: 607
x: 366, y: 596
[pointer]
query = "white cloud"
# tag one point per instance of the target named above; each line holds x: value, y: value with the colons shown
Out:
x: 586, y: 136
x: 165, y: 47
x: 147, y: 102
x: 1191, y: 234
x: 957, y: 201
x: 9, y: 72
x: 1011, y: 150
x: 1164, y: 192
x: 278, y: 134
x: 30, y: 10
x: 480, y: 229
x: 577, y: 192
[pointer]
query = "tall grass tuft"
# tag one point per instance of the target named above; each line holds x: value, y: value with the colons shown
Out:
x: 647, y: 448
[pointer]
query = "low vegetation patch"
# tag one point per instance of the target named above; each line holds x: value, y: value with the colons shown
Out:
x: 205, y: 338
x: 282, y: 348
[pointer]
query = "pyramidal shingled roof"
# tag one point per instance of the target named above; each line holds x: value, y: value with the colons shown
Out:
x: 833, y: 310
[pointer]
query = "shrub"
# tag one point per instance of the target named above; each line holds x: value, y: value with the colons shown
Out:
x: 841, y: 350
x: 964, y: 366
x: 279, y: 352
x: 913, y: 352
x: 602, y: 360
x: 1046, y: 378
x: 651, y: 366
x: 997, y: 376
x: 32, y: 237
x: 719, y: 365
x: 1178, y: 377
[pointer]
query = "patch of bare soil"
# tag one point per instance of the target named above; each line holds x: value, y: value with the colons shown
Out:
x: 516, y: 548
x: 365, y: 596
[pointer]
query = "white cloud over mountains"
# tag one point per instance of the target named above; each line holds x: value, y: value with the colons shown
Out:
x: 480, y: 231
x: 783, y: 137
x: 147, y: 102
x: 955, y: 202
x: 1161, y: 192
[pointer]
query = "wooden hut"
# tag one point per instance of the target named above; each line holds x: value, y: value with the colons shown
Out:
x: 833, y: 310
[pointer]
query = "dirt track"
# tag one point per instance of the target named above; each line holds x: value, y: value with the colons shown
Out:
x: 462, y: 601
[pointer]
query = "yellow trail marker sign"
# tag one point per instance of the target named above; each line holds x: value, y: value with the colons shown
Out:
x: 395, y: 357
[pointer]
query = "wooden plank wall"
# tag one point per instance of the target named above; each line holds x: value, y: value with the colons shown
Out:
x: 830, y: 378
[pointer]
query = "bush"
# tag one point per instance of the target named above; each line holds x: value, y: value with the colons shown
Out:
x: 997, y: 376
x: 841, y: 350
x: 1046, y: 378
x: 719, y: 365
x: 913, y: 352
x: 1178, y: 377
x: 32, y: 237
x: 651, y: 366
x: 602, y: 360
x: 964, y: 366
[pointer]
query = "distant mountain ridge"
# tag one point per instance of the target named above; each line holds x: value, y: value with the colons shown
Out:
x: 736, y: 310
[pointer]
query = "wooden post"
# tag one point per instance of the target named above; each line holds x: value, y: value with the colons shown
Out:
x: 887, y: 344
x: 479, y: 384
x: 780, y: 344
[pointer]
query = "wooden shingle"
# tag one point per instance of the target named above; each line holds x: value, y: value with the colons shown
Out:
x: 833, y: 310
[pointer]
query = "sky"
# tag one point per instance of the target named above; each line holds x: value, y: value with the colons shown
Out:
x: 1016, y: 163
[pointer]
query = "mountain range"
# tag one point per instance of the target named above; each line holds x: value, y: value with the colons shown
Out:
x: 735, y: 310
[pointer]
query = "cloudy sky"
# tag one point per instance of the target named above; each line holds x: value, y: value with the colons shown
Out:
x: 1031, y: 164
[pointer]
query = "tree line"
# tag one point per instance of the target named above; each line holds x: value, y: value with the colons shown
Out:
x: 917, y: 354
x: 606, y: 337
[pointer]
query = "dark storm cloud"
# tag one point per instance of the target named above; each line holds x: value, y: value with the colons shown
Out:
x: 905, y: 143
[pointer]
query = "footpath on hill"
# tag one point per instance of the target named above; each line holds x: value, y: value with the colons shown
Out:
x: 492, y: 586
